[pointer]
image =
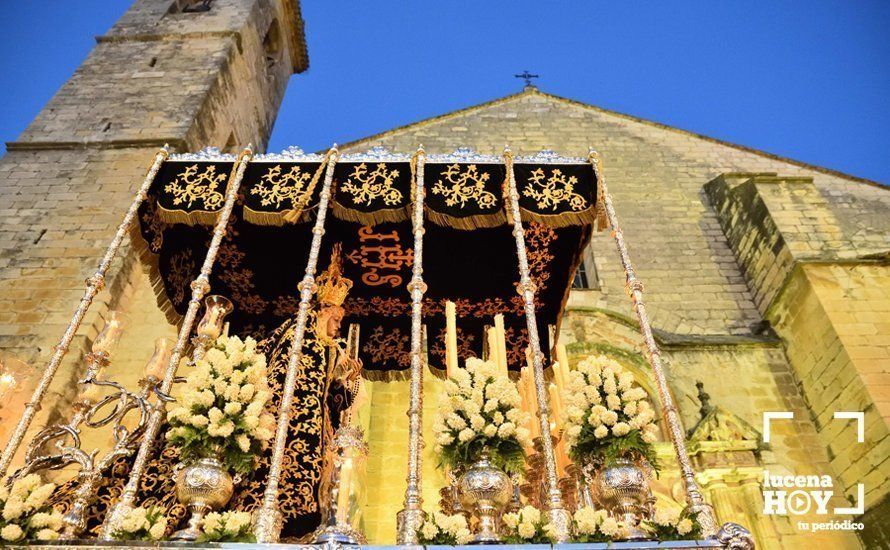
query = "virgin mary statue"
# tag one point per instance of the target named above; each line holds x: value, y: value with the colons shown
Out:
x: 326, y: 380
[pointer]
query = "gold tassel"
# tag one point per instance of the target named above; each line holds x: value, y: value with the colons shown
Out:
x: 278, y: 219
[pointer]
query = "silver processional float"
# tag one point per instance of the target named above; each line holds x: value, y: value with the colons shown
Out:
x: 205, y: 202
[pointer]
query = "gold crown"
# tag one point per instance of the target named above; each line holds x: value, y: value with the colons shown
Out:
x: 332, y: 285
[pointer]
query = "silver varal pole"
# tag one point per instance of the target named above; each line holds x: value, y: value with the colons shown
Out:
x: 634, y: 289
x: 410, y: 518
x: 95, y: 283
x: 557, y: 514
x: 268, y: 520
x: 200, y: 286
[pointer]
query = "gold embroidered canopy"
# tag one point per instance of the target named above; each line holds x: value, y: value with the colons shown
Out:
x: 470, y: 257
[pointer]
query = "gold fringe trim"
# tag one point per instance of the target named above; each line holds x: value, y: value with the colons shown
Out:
x: 565, y: 219
x: 150, y: 261
x: 441, y: 374
x: 399, y: 214
x: 481, y: 221
x: 278, y: 219
x: 198, y: 217
x: 298, y: 214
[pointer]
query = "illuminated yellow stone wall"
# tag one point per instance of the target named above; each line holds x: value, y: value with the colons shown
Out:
x: 388, y: 465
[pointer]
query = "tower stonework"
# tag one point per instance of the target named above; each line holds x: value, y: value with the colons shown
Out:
x: 163, y: 74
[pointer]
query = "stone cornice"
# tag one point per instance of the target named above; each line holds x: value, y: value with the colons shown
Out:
x: 672, y: 340
x: 175, y: 143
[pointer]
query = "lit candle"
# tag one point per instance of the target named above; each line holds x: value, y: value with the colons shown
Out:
x: 7, y: 384
x: 555, y: 407
x: 110, y: 335
x: 345, y: 489
x: 501, y: 344
x: 493, y: 355
x: 450, y: 338
x: 160, y: 359
x: 563, y: 357
x: 562, y: 459
x: 531, y: 396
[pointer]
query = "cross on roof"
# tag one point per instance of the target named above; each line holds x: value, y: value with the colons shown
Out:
x: 527, y: 76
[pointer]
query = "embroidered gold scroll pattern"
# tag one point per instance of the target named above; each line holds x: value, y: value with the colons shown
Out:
x: 366, y: 186
x: 462, y: 187
x: 516, y: 341
x: 381, y: 256
x: 383, y: 346
x: 190, y: 187
x: 182, y: 267
x: 557, y: 189
x: 154, y: 227
x: 238, y: 278
x: 275, y: 187
x: 465, y: 347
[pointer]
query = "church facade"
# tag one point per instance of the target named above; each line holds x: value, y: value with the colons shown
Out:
x: 767, y: 280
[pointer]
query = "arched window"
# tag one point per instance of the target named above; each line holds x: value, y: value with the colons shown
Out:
x: 272, y: 46
x: 190, y: 6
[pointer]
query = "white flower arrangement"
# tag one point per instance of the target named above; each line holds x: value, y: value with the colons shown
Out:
x: 442, y: 529
x: 589, y: 525
x: 607, y: 415
x: 671, y: 524
x: 227, y: 527
x: 25, y: 513
x: 482, y: 413
x: 221, y: 409
x: 527, y: 526
x: 140, y: 524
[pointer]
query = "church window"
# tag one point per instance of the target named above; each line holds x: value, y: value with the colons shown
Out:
x: 586, y: 278
x: 272, y: 46
x: 231, y: 144
x: 580, y: 277
x: 190, y: 6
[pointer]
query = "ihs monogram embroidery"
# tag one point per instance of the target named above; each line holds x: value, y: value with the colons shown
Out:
x: 190, y: 187
x: 388, y: 257
x: 291, y: 186
x: 555, y: 191
x: 373, y: 185
x: 466, y: 186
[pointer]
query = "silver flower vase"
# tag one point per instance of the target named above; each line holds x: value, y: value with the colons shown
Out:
x: 485, y: 490
x: 623, y: 490
x: 202, y: 486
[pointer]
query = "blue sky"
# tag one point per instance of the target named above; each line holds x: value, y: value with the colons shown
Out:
x: 807, y: 80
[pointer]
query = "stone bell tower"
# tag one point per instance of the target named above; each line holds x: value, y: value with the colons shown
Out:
x: 190, y: 73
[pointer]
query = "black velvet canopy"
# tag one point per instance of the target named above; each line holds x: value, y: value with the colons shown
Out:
x: 469, y: 250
